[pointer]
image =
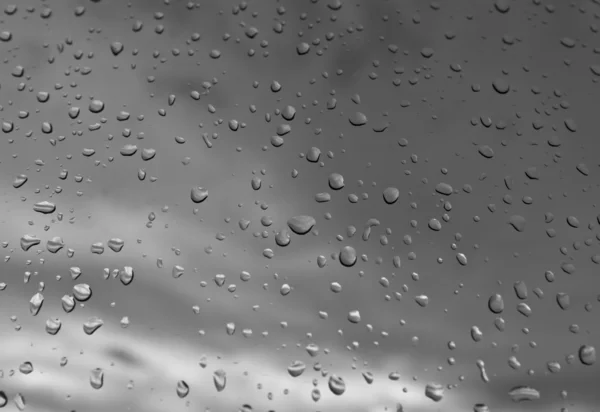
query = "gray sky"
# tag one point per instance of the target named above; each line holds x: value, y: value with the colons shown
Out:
x: 497, y: 100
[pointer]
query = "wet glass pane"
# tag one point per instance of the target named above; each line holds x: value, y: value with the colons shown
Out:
x: 299, y: 205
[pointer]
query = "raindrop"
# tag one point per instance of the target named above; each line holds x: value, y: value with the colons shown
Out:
x: 82, y: 292
x: 348, y: 256
x: 199, y: 194
x: 44, y: 207
x: 358, y: 119
x: 336, y: 181
x: 220, y: 379
x: 301, y: 225
x: 496, y: 304
x: 97, y: 378
x: 116, y: 48
x: 337, y: 385
x: 444, y: 189
x: 96, y: 106
x: 523, y: 393
x: 35, y: 304
x: 434, y: 391
x: 92, y: 325
x: 517, y: 222
x: 391, y: 195
x: 53, y: 326
x: 501, y: 86
x: 587, y: 355
x: 296, y: 368
x: 182, y: 389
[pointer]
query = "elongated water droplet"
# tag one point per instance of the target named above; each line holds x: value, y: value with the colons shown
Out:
x: 97, y: 378
x: 182, y: 389
x: 35, y: 304
x: 220, y: 379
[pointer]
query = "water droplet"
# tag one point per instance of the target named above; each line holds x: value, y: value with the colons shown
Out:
x: 182, y: 389
x: 496, y: 303
x: 486, y: 151
x: 220, y: 380
x: 354, y: 316
x: 524, y: 393
x: 520, y: 288
x: 116, y: 48
x: 53, y: 326
x: 391, y: 195
x: 97, y: 378
x: 296, y: 368
x: 55, y: 244
x: 481, y: 407
x: 92, y: 325
x: 199, y: 194
x: 35, y: 304
x: 476, y: 334
x: 573, y: 222
x: 336, y: 181
x: 68, y: 303
x: 348, y: 256
x: 444, y: 189
x: 434, y: 391
x: 302, y: 48
x: 26, y: 368
x: 82, y: 292
x: 517, y: 222
x: 126, y: 275
x: 358, y: 119
x: 96, y: 106
x: 19, y: 401
x: 503, y: 6
x: 435, y: 225
x: 128, y: 150
x: 501, y: 86
x: 116, y: 244
x: 336, y: 384
x: 20, y: 181
x: 563, y: 300
x: 44, y: 207
x: 587, y: 355
x: 301, y: 225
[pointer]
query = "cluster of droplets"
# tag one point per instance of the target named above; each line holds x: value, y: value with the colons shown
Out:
x: 349, y: 254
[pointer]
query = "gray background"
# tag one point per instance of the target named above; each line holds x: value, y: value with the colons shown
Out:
x: 434, y: 109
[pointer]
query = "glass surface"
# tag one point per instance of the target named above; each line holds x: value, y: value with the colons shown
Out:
x: 299, y: 205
